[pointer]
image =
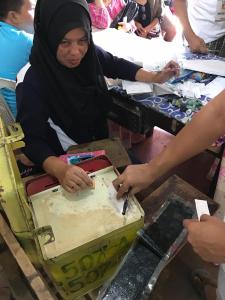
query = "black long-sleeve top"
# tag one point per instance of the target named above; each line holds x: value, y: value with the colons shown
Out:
x: 33, y: 112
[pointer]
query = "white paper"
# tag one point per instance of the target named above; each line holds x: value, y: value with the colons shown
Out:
x: 134, y: 87
x: 117, y: 203
x: 165, y: 89
x: 215, y: 87
x: 191, y: 89
x: 201, y: 208
x: 136, y: 49
x: 215, y: 67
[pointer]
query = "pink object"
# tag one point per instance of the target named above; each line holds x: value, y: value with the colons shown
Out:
x: 93, y: 153
x: 102, y: 17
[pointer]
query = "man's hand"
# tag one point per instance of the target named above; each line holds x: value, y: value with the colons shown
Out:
x: 134, y: 178
x: 207, y: 238
x: 197, y: 44
x: 170, y: 70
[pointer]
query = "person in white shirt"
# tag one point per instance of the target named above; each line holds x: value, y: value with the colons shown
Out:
x: 203, y: 24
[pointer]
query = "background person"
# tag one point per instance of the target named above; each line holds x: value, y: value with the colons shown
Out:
x: 203, y: 24
x: 149, y: 18
x: 16, y: 17
x: 103, y: 12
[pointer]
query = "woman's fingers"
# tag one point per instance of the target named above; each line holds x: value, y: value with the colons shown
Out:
x: 70, y: 188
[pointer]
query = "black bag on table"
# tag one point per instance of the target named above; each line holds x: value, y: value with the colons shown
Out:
x: 130, y: 11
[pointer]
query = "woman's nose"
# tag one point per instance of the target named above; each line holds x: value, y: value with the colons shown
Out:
x: 74, y: 49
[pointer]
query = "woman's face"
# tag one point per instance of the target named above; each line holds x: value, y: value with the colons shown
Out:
x: 72, y: 48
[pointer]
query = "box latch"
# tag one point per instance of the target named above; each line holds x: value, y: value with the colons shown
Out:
x: 46, y: 234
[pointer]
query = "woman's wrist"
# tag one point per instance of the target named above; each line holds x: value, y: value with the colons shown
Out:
x: 54, y: 166
x: 146, y: 76
x: 156, y: 77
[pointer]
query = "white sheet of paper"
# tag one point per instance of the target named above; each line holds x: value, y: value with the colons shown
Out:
x: 201, y: 208
x: 117, y: 203
x: 215, y: 87
x: 134, y: 87
x: 215, y: 67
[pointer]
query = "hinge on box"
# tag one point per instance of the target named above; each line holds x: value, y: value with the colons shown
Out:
x: 15, y: 135
x: 46, y: 232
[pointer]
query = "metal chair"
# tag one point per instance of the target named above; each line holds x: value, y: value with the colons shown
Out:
x: 5, y: 111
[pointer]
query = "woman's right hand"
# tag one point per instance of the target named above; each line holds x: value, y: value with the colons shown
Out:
x: 73, y: 178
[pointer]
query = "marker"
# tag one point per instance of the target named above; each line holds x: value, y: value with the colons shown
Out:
x: 210, y: 50
x: 125, y: 204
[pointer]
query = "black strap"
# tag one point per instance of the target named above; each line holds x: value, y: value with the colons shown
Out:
x: 130, y: 11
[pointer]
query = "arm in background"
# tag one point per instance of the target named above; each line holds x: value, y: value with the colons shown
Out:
x: 196, y: 43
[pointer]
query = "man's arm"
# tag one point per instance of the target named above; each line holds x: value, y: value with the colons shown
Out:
x: 205, y: 127
x: 196, y: 43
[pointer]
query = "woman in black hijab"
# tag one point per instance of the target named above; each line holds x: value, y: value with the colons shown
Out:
x: 63, y: 98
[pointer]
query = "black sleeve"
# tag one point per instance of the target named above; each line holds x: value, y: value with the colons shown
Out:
x: 115, y: 67
x: 33, y: 116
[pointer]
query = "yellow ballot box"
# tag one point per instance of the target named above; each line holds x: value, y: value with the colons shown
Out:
x: 79, y: 239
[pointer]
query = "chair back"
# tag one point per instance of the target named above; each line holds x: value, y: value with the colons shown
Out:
x: 5, y: 111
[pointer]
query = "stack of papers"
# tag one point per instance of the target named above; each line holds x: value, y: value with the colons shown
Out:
x: 134, y: 87
x: 214, y: 66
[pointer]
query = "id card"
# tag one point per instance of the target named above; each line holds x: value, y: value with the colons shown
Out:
x: 220, y: 11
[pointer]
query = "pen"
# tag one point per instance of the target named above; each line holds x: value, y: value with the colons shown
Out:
x: 212, y: 51
x: 125, y: 204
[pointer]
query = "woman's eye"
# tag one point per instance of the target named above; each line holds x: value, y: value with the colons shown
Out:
x: 65, y: 43
x: 84, y: 40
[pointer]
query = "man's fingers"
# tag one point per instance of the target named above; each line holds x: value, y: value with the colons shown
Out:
x: 203, y: 49
x: 116, y: 183
x: 124, y: 188
x: 188, y: 222
x: 134, y: 190
x: 205, y: 218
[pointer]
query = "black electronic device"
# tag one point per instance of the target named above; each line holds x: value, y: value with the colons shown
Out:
x: 154, y: 247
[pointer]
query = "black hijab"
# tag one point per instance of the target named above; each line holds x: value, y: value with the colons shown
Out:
x: 77, y: 98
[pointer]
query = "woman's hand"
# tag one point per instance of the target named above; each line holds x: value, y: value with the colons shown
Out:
x: 153, y: 26
x: 135, y: 178
x: 140, y: 30
x: 73, y: 179
x: 170, y: 70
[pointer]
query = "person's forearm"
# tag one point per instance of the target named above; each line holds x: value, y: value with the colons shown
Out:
x: 181, y: 12
x: 54, y: 166
x: 205, y: 127
x: 145, y: 76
